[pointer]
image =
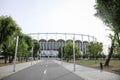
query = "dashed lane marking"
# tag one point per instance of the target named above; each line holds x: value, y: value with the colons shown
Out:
x: 44, y: 71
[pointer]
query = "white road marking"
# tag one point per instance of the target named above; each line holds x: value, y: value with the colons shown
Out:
x: 44, y: 78
x: 44, y: 71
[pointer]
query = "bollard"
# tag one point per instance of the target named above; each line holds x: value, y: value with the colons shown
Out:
x: 101, y: 66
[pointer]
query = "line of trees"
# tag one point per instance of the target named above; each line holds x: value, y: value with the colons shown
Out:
x: 93, y: 49
x: 9, y: 30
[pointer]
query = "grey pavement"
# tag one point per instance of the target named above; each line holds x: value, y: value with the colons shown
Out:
x: 89, y: 73
x: 44, y: 70
x: 8, y: 70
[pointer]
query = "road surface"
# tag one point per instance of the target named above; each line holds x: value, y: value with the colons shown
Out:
x: 45, y: 70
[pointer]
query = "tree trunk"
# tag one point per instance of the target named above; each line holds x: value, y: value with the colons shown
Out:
x: 39, y: 58
x: 18, y: 58
x: 34, y: 58
x: 10, y: 59
x: 21, y: 59
x: 109, y: 56
x: 5, y: 53
x: 5, y: 59
x: 26, y: 58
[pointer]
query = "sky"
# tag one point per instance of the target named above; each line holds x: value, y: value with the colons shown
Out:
x: 56, y: 16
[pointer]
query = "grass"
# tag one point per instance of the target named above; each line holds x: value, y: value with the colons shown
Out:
x: 3, y: 64
x: 114, y: 64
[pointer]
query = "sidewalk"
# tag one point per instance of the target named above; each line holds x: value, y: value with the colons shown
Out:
x: 8, y: 70
x: 89, y: 73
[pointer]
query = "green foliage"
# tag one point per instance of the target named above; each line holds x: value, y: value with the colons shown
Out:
x: 94, y: 49
x: 60, y: 51
x: 68, y: 49
x: 109, y: 12
x: 25, y: 45
x: 36, y: 48
x: 116, y: 52
x: 77, y: 52
x: 8, y: 32
x: 28, y: 41
x: 7, y: 28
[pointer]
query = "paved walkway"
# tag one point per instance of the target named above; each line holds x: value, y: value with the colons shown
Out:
x: 8, y: 70
x: 89, y: 73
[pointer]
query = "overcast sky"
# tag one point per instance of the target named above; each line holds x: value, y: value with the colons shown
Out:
x: 61, y: 16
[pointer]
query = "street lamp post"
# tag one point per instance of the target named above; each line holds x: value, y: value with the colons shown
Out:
x: 47, y: 44
x: 74, y: 50
x: 82, y: 44
x: 61, y: 54
x: 32, y: 55
x: 14, y: 66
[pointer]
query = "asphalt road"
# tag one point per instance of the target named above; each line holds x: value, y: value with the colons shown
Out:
x: 45, y: 70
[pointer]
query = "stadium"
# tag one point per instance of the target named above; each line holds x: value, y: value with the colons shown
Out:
x: 50, y: 42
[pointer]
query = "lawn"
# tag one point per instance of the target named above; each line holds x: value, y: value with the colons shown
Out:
x: 114, y: 64
x: 3, y: 64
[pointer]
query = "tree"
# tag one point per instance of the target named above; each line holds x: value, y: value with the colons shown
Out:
x: 25, y: 46
x: 109, y: 12
x: 28, y: 40
x: 68, y: 49
x: 116, y: 51
x: 36, y: 48
x: 8, y: 29
x: 61, y: 51
x: 94, y: 49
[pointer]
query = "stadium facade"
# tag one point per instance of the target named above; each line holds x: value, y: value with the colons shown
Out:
x: 50, y: 45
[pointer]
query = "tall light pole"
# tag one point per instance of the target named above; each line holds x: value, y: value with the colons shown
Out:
x: 74, y: 50
x: 38, y: 53
x: 47, y: 43
x: 43, y: 45
x: 40, y: 49
x: 14, y: 66
x: 61, y: 54
x: 82, y: 44
x: 55, y: 46
x: 32, y: 55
